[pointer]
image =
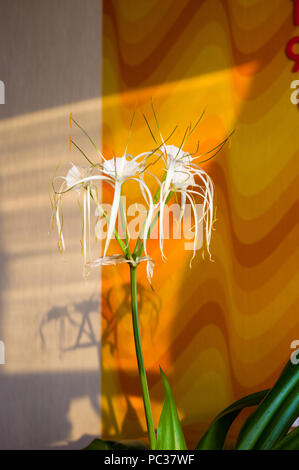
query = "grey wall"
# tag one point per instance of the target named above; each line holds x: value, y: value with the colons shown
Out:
x: 50, y: 53
x: 50, y: 62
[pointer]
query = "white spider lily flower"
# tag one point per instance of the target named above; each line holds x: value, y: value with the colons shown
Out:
x: 115, y: 172
x: 180, y: 177
x: 120, y: 170
x: 75, y: 175
x: 75, y: 179
x: 80, y: 180
x: 71, y: 180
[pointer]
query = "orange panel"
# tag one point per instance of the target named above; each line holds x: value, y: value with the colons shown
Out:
x: 221, y: 329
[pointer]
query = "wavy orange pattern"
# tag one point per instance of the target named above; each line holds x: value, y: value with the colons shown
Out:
x: 223, y: 329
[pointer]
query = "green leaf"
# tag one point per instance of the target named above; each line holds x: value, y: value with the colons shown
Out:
x: 280, y: 422
x: 215, y: 436
x: 277, y: 410
x: 289, y: 442
x: 170, y: 434
x: 99, y: 444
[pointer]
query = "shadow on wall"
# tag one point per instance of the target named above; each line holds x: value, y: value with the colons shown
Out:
x: 40, y: 402
x: 27, y: 422
x: 113, y: 321
x: 78, y: 316
x: 34, y: 406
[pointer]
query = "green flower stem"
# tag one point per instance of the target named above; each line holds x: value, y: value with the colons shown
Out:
x: 139, y: 244
x: 139, y: 355
x: 124, y: 227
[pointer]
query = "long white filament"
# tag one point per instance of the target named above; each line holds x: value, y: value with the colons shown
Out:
x: 161, y: 227
x: 165, y: 186
x: 61, y: 243
x: 183, y: 205
x: 150, y: 212
x: 58, y: 217
x: 84, y: 232
x: 113, y: 215
x: 195, y: 227
x: 88, y: 218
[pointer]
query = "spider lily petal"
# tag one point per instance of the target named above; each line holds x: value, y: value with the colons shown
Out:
x: 74, y: 175
x: 195, y: 225
x: 118, y: 169
x: 121, y: 169
x: 208, y: 206
x: 183, y: 205
x: 119, y: 259
x: 78, y: 179
x: 180, y: 173
x: 113, y: 215
x: 58, y: 216
x: 174, y: 161
x: 163, y: 198
x: 150, y: 211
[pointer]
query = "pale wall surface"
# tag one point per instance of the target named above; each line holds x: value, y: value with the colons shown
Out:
x: 50, y: 62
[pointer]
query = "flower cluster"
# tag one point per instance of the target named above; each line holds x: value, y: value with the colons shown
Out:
x: 182, y: 176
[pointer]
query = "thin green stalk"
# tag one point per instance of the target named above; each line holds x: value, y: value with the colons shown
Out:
x: 124, y: 226
x: 139, y: 244
x: 139, y: 355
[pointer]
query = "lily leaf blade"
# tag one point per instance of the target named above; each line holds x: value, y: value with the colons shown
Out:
x: 289, y: 442
x: 170, y: 434
x: 257, y: 431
